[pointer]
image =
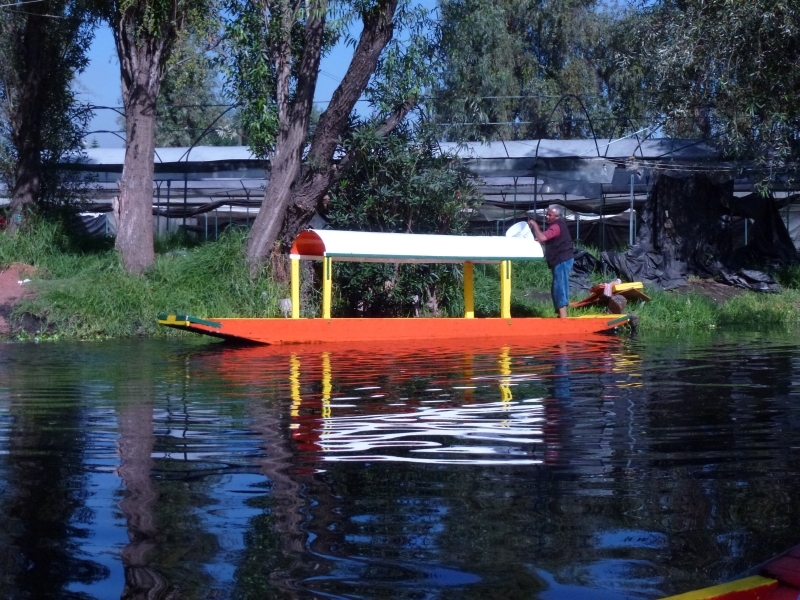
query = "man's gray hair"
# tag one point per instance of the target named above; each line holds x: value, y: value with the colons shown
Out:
x: 557, y: 209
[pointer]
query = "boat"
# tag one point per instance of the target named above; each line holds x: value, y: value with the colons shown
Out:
x: 356, y: 246
x: 777, y: 579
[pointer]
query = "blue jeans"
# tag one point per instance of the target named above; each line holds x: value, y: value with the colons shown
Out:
x: 560, y: 288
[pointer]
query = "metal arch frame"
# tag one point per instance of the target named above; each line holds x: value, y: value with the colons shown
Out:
x: 585, y: 112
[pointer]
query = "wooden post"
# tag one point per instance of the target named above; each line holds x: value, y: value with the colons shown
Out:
x: 469, y: 291
x: 295, y: 288
x: 505, y: 289
x: 327, y: 268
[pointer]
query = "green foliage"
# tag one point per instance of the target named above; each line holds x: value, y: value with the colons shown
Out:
x: 154, y: 18
x: 405, y: 70
x: 789, y: 277
x: 671, y: 311
x: 753, y: 308
x: 399, y: 184
x: 190, y: 102
x: 254, y: 35
x: 523, y: 69
x: 38, y: 243
x: 247, y: 64
x: 88, y: 294
x: 677, y: 310
x: 723, y: 70
x: 42, y: 123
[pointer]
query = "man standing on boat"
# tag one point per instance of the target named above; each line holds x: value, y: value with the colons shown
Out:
x: 558, y: 252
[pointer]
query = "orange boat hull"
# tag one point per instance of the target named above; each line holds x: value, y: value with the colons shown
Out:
x: 316, y: 331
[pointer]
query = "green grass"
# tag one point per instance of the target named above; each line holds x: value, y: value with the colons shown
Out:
x: 85, y: 293
x: 677, y: 310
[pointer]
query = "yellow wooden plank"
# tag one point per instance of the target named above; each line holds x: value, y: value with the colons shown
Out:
x: 719, y: 591
x: 624, y: 287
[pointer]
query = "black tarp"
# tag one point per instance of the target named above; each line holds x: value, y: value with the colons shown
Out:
x: 688, y: 227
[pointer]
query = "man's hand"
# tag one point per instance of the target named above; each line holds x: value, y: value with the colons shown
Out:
x: 537, y: 233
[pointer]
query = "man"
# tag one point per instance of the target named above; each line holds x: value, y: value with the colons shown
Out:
x: 559, y: 254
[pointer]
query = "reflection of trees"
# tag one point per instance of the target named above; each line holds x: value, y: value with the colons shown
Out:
x: 704, y: 403
x: 632, y: 426
x: 275, y: 541
x: 633, y: 458
x: 136, y: 441
x: 42, y: 484
x: 168, y: 545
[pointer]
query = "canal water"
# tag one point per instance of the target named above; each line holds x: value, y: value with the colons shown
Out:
x: 605, y: 468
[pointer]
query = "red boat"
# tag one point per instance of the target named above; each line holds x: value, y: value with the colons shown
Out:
x: 326, y: 245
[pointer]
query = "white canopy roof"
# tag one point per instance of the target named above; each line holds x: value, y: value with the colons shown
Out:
x: 361, y: 246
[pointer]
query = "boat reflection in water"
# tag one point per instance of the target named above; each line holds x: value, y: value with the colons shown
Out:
x: 371, y: 451
x: 399, y: 404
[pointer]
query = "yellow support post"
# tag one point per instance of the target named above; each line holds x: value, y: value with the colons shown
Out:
x: 505, y: 289
x: 327, y: 268
x: 295, y: 288
x: 469, y: 291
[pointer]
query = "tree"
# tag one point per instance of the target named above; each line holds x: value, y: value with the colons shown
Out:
x: 288, y: 47
x: 190, y: 102
x: 401, y: 183
x: 522, y: 69
x: 145, y: 32
x: 725, y: 70
x: 41, y: 49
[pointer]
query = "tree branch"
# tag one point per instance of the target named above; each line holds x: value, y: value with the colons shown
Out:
x: 310, y: 192
x: 377, y: 32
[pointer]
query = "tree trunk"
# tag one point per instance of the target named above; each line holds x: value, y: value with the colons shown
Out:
x: 309, y: 195
x: 27, y: 183
x: 295, y: 191
x: 294, y: 117
x: 142, y: 60
x: 135, y: 227
x: 285, y: 166
x: 26, y: 119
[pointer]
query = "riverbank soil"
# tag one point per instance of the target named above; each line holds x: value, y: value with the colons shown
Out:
x: 14, y: 286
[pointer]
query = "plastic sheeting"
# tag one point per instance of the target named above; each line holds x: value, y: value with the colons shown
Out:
x: 686, y: 229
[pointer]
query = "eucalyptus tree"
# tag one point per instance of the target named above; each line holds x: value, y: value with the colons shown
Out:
x: 276, y: 48
x: 43, y: 45
x: 522, y: 69
x: 728, y: 70
x: 145, y: 32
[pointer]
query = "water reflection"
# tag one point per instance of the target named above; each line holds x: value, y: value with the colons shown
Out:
x: 366, y: 404
x: 604, y: 468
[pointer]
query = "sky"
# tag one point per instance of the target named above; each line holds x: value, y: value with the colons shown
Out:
x: 100, y: 85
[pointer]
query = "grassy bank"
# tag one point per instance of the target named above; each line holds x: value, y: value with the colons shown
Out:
x: 82, y: 291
